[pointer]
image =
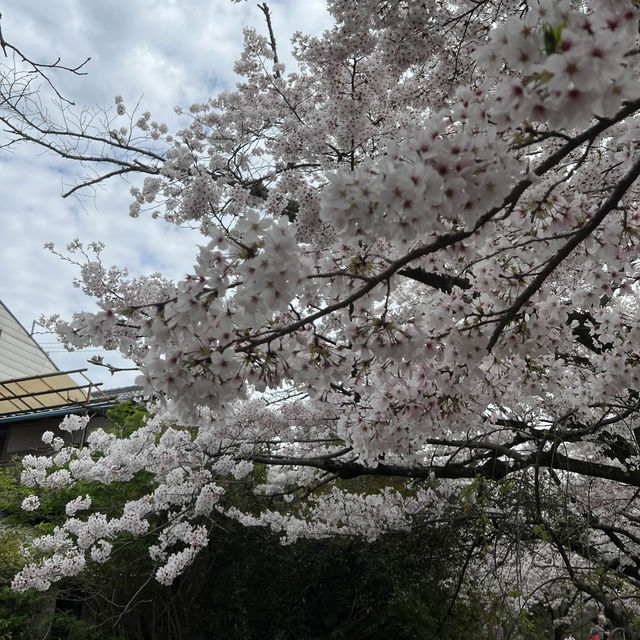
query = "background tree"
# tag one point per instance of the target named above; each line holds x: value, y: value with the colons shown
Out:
x: 418, y: 264
x: 405, y: 585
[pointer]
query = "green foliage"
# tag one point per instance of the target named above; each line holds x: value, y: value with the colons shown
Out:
x: 18, y: 611
x: 338, y: 588
x: 11, y: 492
x: 247, y: 585
x: 126, y: 417
x: 553, y: 38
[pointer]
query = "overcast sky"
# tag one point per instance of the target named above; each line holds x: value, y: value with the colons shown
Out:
x: 169, y: 52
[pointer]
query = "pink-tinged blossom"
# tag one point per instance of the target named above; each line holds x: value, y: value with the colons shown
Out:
x: 566, y: 60
x: 419, y: 259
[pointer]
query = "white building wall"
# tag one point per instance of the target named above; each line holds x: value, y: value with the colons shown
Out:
x: 20, y: 356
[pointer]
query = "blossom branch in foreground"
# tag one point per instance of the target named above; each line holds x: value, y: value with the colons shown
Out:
x: 431, y: 181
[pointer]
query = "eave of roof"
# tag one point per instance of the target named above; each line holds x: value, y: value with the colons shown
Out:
x: 43, y: 392
x: 53, y: 413
x: 108, y: 399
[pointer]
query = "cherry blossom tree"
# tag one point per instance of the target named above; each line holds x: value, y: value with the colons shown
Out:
x: 418, y: 267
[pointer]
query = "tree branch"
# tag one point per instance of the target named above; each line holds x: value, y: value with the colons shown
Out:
x: 584, y: 232
x: 443, y: 282
x: 264, y: 7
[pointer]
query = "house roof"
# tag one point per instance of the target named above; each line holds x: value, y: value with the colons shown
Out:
x: 96, y: 401
x: 32, y: 386
x: 30, y: 382
x: 45, y: 391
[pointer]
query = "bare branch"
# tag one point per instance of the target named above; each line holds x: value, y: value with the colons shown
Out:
x: 264, y: 7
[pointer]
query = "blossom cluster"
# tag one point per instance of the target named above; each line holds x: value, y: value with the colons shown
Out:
x: 339, y: 512
x: 565, y: 66
x: 427, y: 185
x: 419, y: 258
